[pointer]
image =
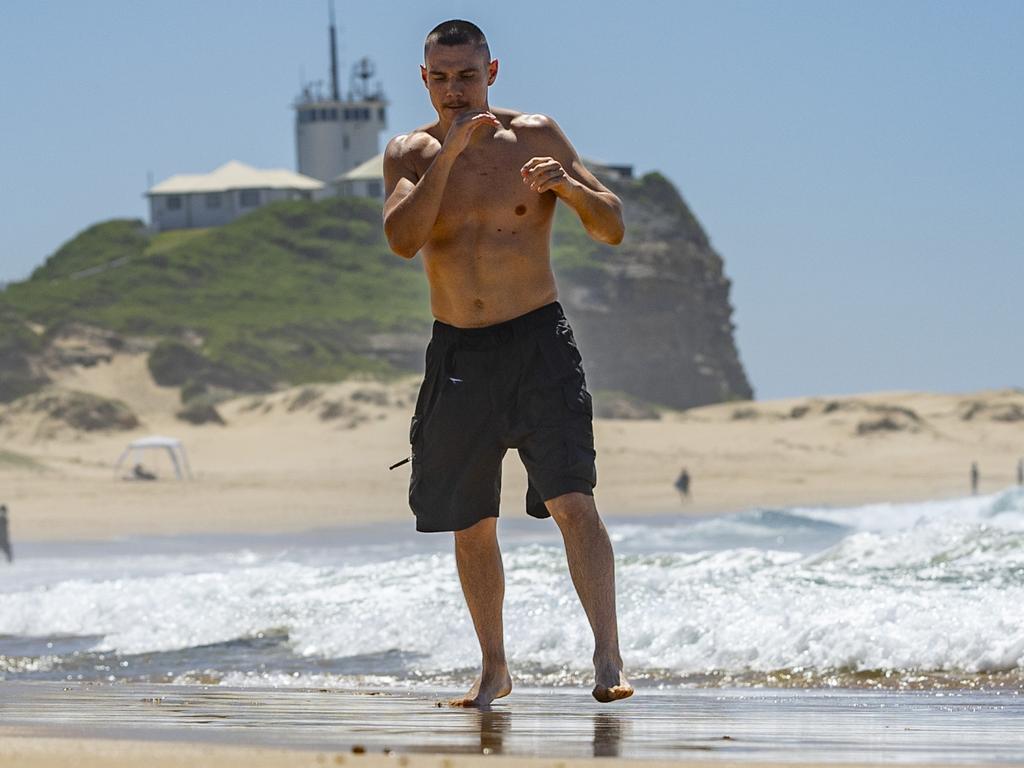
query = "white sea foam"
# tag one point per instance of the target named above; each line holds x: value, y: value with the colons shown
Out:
x: 928, y: 586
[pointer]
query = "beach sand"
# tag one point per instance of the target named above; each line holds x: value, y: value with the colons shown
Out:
x: 48, y: 752
x: 148, y: 724
x: 316, y: 457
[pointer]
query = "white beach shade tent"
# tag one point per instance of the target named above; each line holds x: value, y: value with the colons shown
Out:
x: 173, y: 447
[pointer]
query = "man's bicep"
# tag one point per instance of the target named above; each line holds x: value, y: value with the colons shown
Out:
x: 399, y: 177
x: 396, y: 169
x: 396, y: 193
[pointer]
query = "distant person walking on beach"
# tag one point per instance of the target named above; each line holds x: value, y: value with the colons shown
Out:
x: 1020, y: 471
x: 5, y: 534
x: 975, y: 476
x: 474, y: 192
x: 683, y: 482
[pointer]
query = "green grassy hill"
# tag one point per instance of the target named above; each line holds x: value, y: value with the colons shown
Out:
x: 289, y: 293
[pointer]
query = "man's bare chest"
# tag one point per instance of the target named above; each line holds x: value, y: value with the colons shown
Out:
x: 485, y: 186
x: 488, y: 185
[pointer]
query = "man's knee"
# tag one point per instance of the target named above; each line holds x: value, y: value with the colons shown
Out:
x: 572, y: 509
x: 485, y: 530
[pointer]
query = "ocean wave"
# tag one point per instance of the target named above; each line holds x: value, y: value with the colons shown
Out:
x: 939, y: 593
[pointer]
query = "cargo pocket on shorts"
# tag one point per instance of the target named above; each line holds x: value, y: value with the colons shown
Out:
x: 581, y: 462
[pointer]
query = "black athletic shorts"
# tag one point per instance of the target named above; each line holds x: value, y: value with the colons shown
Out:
x: 517, y: 384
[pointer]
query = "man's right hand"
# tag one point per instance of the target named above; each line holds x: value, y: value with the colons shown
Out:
x: 461, y: 130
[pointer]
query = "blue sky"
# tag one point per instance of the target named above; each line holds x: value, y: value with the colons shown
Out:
x: 859, y: 166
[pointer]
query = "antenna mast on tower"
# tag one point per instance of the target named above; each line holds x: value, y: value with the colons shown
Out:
x: 335, y: 95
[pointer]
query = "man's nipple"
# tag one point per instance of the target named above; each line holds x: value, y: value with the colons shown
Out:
x: 520, y: 209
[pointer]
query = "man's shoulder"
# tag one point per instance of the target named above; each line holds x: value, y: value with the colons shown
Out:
x: 541, y: 131
x: 531, y: 122
x: 413, y: 143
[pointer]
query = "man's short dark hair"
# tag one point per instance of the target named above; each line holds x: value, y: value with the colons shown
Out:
x: 456, y: 32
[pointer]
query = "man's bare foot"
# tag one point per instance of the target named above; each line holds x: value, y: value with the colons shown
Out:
x: 612, y: 685
x: 485, y: 690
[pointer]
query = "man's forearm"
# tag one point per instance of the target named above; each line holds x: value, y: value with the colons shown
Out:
x: 408, y: 225
x: 600, y: 212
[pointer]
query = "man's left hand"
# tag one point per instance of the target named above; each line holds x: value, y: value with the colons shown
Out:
x: 545, y: 174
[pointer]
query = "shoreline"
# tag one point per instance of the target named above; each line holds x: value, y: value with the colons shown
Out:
x: 231, y: 531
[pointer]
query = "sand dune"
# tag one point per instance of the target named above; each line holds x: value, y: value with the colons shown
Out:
x: 318, y: 456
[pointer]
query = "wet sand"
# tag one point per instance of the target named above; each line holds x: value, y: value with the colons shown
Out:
x: 93, y: 753
x: 694, y: 725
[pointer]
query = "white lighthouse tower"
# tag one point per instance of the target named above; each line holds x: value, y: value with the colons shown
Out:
x: 332, y: 135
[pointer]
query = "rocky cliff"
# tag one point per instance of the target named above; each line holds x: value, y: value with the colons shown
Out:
x: 652, y: 315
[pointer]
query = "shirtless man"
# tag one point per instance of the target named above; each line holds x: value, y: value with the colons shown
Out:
x: 475, y: 193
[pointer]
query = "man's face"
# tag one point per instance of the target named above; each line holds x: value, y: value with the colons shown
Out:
x: 457, y: 77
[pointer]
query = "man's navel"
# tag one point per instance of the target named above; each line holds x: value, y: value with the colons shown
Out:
x: 478, y: 304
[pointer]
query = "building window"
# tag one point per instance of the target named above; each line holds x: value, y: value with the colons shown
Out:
x: 380, y: 114
x: 373, y: 189
x: 347, y: 114
x: 174, y: 203
x: 334, y: 115
x: 213, y: 200
x: 365, y: 113
x: 247, y: 198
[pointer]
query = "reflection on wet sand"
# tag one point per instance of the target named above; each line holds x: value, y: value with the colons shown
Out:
x: 493, y: 727
x: 607, y: 734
